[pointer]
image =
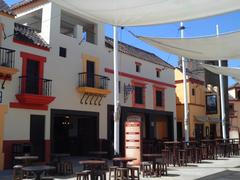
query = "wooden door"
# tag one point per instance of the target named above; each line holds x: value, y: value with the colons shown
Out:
x: 37, y: 133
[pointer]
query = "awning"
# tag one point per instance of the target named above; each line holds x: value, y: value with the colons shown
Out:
x: 205, y: 118
x: 147, y: 12
x: 227, y: 71
x: 225, y: 46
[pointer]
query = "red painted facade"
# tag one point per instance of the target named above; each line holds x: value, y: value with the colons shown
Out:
x: 32, y: 101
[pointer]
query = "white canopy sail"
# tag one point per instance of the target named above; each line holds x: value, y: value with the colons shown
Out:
x: 226, y: 46
x: 147, y: 12
x: 227, y: 71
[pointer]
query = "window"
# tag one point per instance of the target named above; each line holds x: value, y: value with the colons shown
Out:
x: 119, y: 87
x: 139, y: 95
x: 62, y: 52
x: 158, y: 73
x: 231, y: 109
x: 138, y: 68
x: 211, y: 104
x: 159, y: 98
x: 193, y: 92
x: 238, y: 94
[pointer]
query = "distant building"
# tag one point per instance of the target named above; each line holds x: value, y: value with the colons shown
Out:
x: 234, y: 110
x: 203, y: 100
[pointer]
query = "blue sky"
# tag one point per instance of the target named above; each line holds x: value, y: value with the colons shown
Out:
x: 227, y: 23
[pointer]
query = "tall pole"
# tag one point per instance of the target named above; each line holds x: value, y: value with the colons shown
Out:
x: 185, y: 95
x: 223, y: 115
x: 116, y: 93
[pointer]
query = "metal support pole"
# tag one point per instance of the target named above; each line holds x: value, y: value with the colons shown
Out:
x: 223, y: 115
x: 186, y: 122
x: 116, y: 93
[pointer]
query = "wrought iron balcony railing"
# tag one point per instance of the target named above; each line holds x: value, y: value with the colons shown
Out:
x: 35, y: 85
x: 93, y: 80
x: 7, y: 57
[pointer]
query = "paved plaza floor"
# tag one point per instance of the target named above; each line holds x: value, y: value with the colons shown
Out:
x: 221, y: 169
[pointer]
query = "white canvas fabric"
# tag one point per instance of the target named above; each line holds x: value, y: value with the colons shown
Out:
x: 225, y: 46
x: 227, y: 71
x: 147, y: 12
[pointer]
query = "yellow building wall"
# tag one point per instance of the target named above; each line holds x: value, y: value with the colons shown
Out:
x: 3, y: 110
x: 196, y: 104
x: 235, y: 119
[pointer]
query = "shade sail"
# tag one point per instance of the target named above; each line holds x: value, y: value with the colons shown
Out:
x: 226, y: 46
x: 227, y: 71
x: 147, y: 12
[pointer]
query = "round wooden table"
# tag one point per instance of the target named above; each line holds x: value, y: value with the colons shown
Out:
x: 123, y: 161
x: 38, y: 170
x: 26, y: 159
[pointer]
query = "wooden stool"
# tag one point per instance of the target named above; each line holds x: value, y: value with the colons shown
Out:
x: 182, y: 157
x: 100, y: 174
x: 122, y: 174
x: 166, y: 155
x: 47, y: 178
x: 134, y: 172
x: 83, y: 175
x: 146, y: 168
x: 162, y: 165
x: 112, y: 172
x: 158, y: 169
x: 17, y: 172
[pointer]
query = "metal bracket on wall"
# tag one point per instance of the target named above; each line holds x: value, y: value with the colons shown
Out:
x: 99, y: 103
x: 4, y: 80
x: 95, y: 102
x: 92, y: 99
x: 89, y: 99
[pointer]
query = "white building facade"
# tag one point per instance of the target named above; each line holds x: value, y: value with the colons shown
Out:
x: 61, y: 98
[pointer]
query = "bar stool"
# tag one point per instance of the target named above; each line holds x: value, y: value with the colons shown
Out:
x: 122, y: 174
x: 166, y: 155
x: 83, y: 175
x: 162, y: 165
x: 146, y: 168
x: 112, y: 172
x: 182, y: 157
x: 134, y: 172
x: 47, y: 178
x: 17, y: 172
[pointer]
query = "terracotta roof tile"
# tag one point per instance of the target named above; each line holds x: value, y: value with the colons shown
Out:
x: 28, y: 34
x: 21, y: 3
x: 5, y: 8
x: 138, y: 53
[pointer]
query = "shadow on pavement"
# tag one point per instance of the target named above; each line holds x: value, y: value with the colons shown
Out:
x: 225, y: 175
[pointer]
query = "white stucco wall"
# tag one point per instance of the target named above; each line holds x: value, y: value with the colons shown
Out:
x: 64, y: 73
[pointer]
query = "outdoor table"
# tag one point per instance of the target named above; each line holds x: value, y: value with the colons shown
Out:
x: 98, y: 154
x: 59, y: 156
x: 38, y: 170
x: 123, y: 161
x: 26, y: 159
x: 94, y: 166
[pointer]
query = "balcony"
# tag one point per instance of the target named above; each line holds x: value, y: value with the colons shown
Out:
x: 35, y: 92
x: 93, y: 84
x: 7, y: 57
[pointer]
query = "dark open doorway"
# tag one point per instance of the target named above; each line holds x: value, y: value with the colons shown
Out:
x: 74, y: 132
